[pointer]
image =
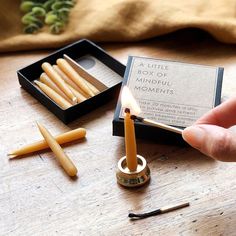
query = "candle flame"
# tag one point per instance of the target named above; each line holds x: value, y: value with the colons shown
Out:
x: 128, y: 101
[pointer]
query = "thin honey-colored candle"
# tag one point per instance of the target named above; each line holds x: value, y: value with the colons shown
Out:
x: 73, y: 75
x: 69, y: 81
x: 64, y: 160
x: 83, y: 73
x: 130, y: 142
x: 79, y: 96
x: 55, y: 77
x: 66, y: 137
x: 131, y: 108
x: 58, y: 99
x: 46, y: 80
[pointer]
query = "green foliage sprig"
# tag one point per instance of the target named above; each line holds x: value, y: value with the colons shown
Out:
x: 54, y: 13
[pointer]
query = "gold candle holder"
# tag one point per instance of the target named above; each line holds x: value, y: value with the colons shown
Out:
x: 136, y: 178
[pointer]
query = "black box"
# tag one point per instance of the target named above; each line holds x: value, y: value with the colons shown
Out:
x: 75, y: 51
x: 169, y: 92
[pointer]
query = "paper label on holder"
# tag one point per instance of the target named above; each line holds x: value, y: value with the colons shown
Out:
x: 172, y: 93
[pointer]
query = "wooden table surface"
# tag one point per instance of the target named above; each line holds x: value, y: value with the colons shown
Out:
x: 38, y: 198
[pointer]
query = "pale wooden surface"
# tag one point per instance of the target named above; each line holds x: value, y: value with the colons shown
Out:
x: 37, y: 198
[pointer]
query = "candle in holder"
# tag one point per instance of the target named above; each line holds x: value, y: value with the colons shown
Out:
x: 130, y: 142
x: 130, y: 105
x: 133, y: 170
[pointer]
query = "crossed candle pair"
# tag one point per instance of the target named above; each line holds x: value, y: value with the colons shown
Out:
x: 64, y: 85
x: 53, y: 143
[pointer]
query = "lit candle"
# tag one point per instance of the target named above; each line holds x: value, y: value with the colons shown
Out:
x: 130, y: 142
x: 64, y: 160
x: 73, y: 75
x: 59, y: 100
x: 41, y: 145
x: 52, y: 74
x: 131, y: 107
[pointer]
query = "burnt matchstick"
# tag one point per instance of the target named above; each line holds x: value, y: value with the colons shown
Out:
x: 159, y: 211
x: 157, y: 124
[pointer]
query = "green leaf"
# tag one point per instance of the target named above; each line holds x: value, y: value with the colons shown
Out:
x: 38, y: 11
x: 26, y: 6
x: 56, y: 28
x: 51, y: 19
x: 30, y: 29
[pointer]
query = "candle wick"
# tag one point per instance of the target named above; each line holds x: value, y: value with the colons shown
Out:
x: 127, y: 110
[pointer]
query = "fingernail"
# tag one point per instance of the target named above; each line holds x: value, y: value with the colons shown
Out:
x: 194, y: 135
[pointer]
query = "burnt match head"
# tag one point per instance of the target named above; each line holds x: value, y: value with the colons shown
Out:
x: 133, y: 117
x: 137, y: 118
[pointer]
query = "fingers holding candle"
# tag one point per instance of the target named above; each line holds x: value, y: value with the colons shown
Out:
x: 64, y: 160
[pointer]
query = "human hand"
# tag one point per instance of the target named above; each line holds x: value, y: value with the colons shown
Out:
x: 210, y: 134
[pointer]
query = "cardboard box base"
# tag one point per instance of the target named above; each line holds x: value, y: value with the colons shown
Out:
x: 76, y: 50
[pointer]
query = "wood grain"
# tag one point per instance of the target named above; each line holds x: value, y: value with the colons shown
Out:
x: 37, y: 198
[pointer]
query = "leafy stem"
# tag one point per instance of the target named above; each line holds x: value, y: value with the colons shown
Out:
x: 37, y: 13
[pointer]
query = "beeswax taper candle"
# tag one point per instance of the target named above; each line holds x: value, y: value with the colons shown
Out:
x: 73, y: 75
x: 131, y: 107
x: 69, y: 81
x: 52, y: 74
x: 83, y: 73
x: 41, y: 145
x: 46, y: 80
x: 130, y: 142
x: 80, y: 97
x: 59, y: 100
x: 64, y: 160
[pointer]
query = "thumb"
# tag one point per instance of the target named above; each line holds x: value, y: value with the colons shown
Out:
x: 214, y: 141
